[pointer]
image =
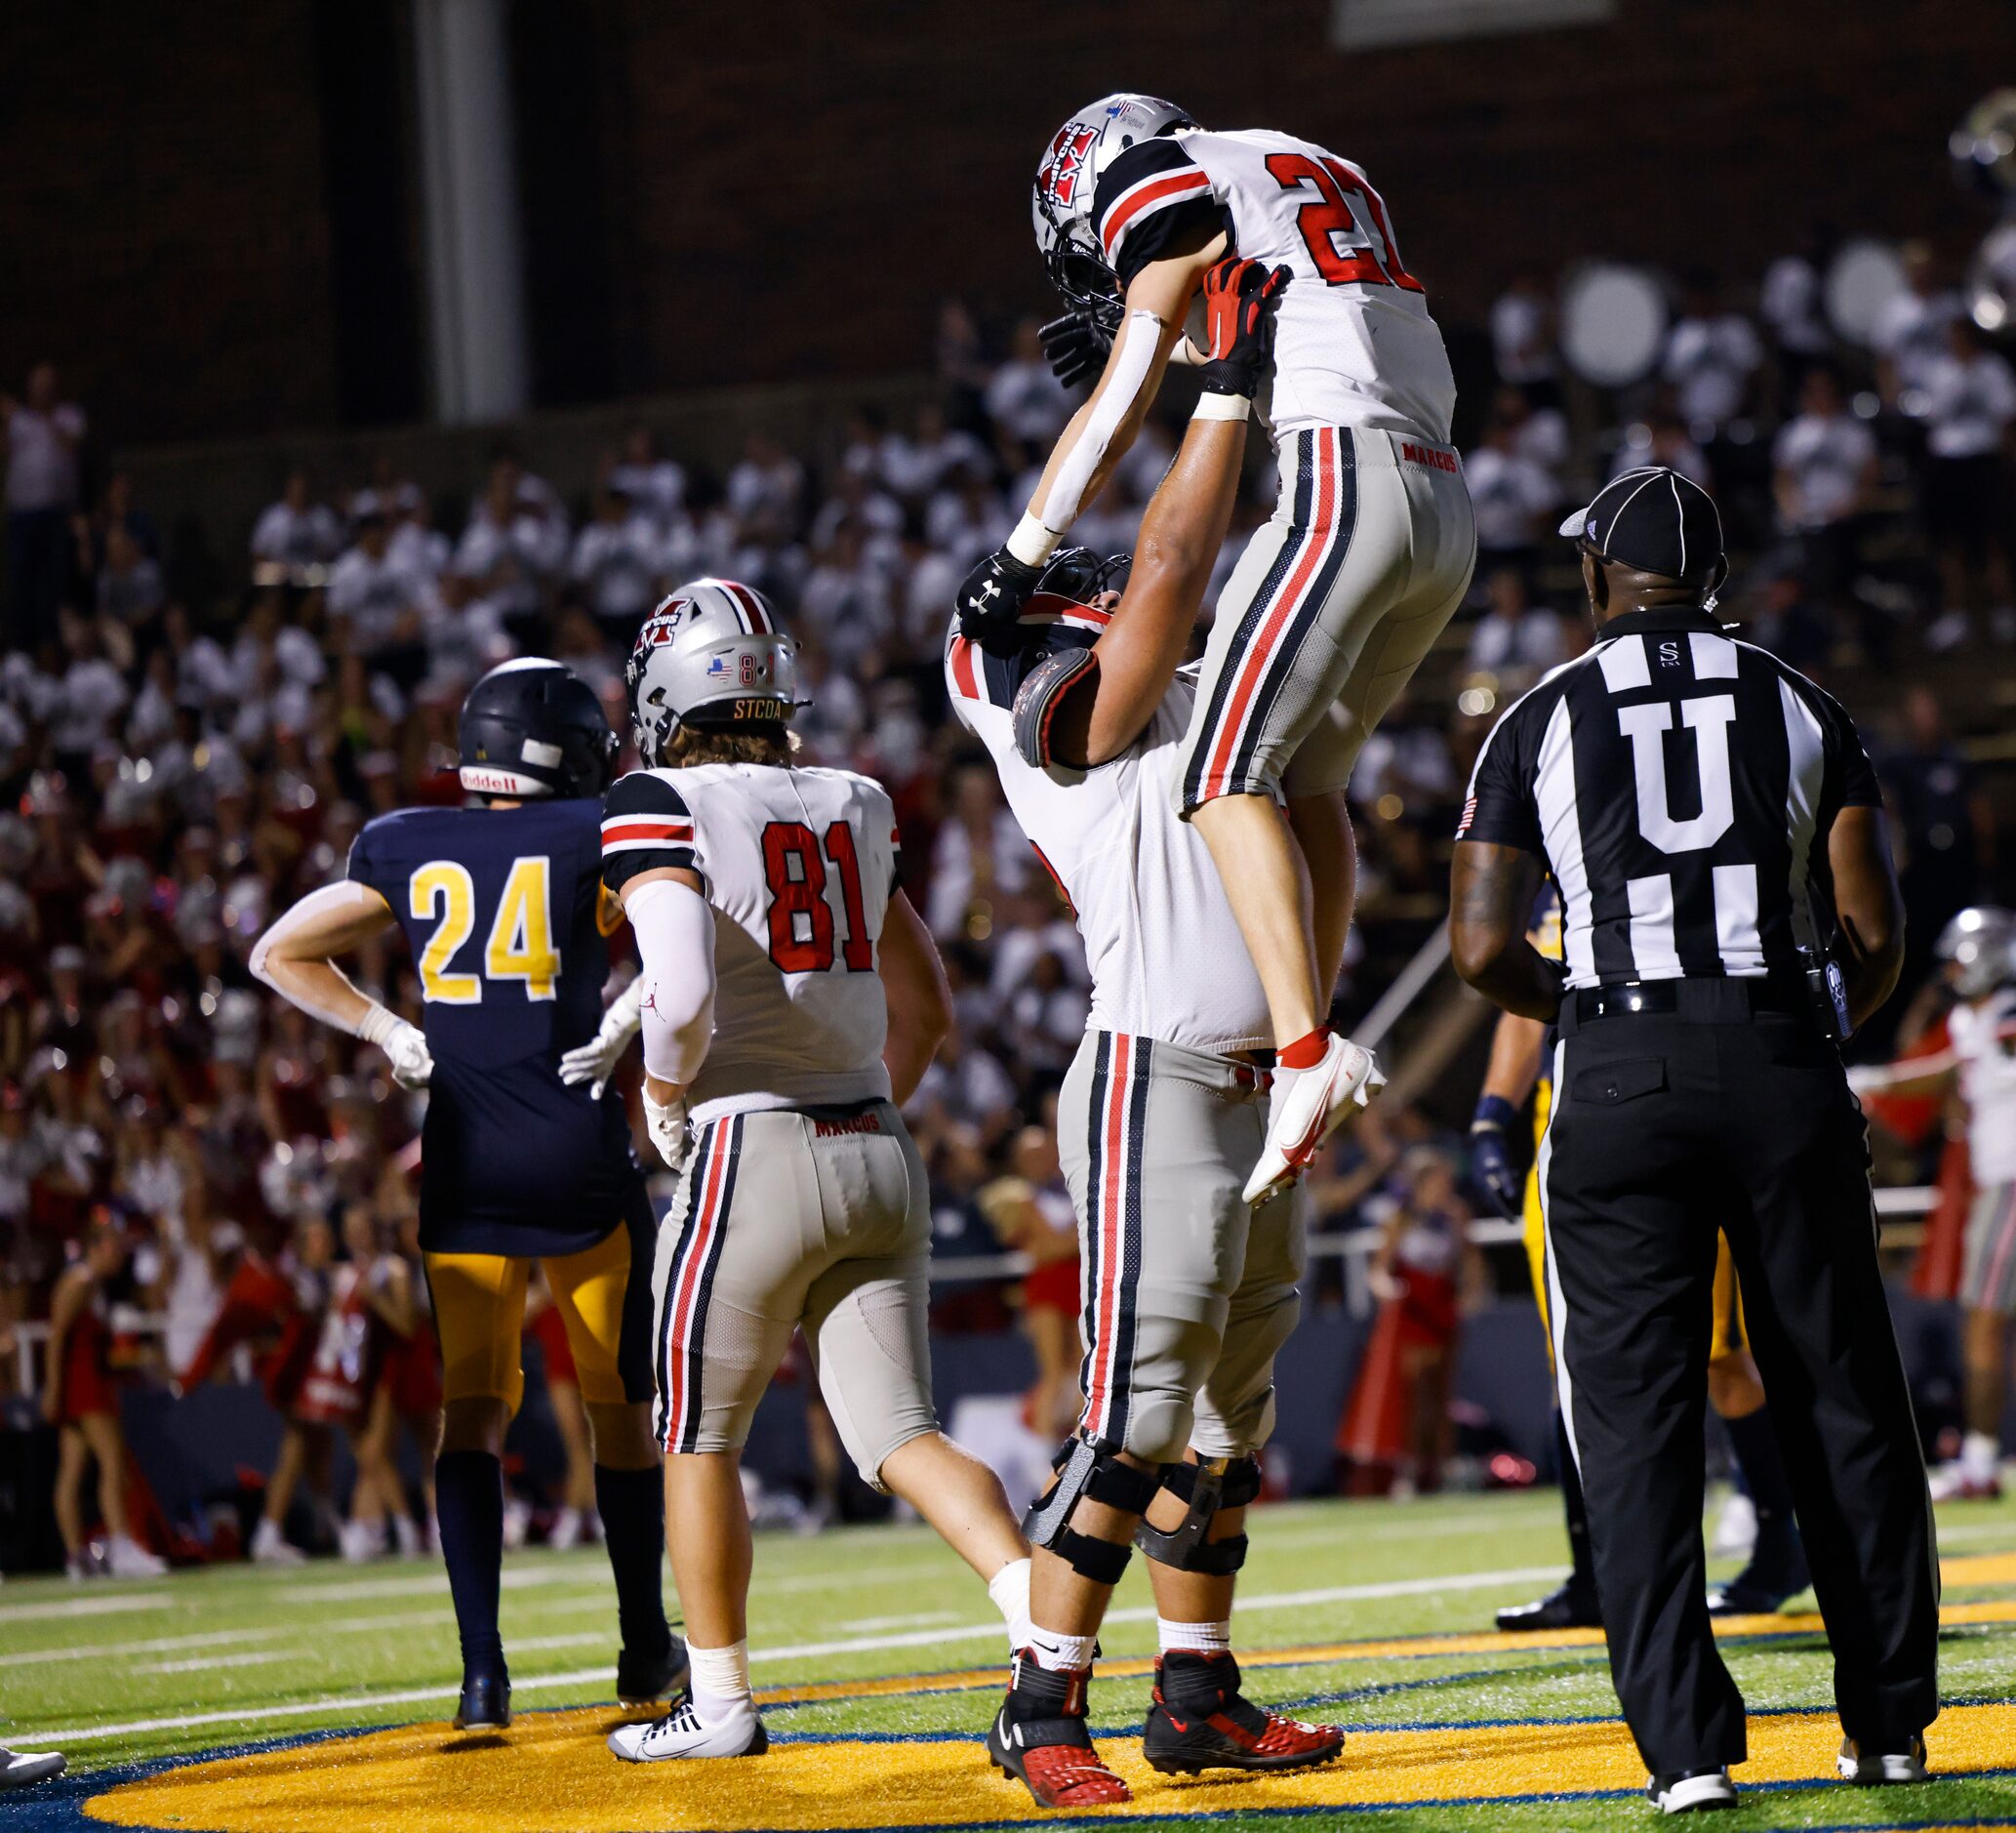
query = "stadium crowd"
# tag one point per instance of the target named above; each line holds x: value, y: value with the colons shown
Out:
x: 173, y: 774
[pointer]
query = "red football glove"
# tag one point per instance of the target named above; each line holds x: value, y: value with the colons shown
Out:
x: 1239, y: 301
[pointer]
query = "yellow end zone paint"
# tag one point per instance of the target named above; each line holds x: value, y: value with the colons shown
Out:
x: 550, y: 1773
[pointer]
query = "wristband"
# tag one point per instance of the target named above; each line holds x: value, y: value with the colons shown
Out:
x: 1032, y: 543
x: 377, y: 1025
x: 1494, y: 1113
x: 1212, y: 406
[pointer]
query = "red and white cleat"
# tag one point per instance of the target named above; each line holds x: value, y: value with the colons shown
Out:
x: 1201, y: 1720
x: 1040, y: 1735
x: 1310, y: 1105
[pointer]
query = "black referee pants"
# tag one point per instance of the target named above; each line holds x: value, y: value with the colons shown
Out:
x: 1665, y: 1129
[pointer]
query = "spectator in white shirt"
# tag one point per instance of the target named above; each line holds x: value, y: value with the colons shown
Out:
x: 1968, y: 401
x: 1523, y: 332
x: 295, y: 533
x: 653, y: 484
x: 1711, y: 354
x: 516, y: 541
x: 384, y: 610
x: 619, y: 562
x: 1026, y: 403
x: 1662, y: 438
x: 1910, y: 331
x: 131, y: 591
x: 1825, y: 466
x: 92, y: 692
x: 43, y: 434
x: 1510, y: 496
x: 417, y: 547
x: 1514, y: 639
x: 765, y: 493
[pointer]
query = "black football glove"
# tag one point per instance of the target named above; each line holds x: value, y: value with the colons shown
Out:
x: 991, y: 601
x: 1075, y: 348
x: 1492, y: 1174
x: 1239, y: 301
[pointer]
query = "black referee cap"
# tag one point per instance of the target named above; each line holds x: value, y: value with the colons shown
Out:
x: 1654, y: 519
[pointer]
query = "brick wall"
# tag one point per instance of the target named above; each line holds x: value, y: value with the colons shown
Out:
x: 161, y: 225
x: 839, y: 175
x: 831, y: 170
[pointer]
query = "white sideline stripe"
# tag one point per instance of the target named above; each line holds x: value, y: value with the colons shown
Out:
x: 87, y: 1606
x: 864, y: 1645
x: 204, y: 1663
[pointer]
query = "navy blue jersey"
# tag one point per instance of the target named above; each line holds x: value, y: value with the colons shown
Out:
x: 501, y: 909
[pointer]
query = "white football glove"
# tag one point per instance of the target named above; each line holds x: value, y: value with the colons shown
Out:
x: 413, y: 1063
x: 595, y: 1061
x: 1868, y: 1078
x: 666, y: 1126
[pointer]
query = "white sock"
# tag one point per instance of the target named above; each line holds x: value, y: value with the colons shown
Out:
x: 720, y: 1681
x: 1980, y: 1452
x: 1194, y: 1637
x: 1010, y: 1590
x: 1059, y: 1653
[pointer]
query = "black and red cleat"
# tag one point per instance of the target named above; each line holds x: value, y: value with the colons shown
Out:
x: 1040, y: 1735
x: 1201, y: 1720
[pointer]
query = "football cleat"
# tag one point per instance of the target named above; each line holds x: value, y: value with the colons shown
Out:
x: 125, y: 1558
x: 682, y: 1732
x: 1777, y: 1572
x: 1200, y: 1721
x: 24, y: 1768
x: 1876, y: 1767
x: 1571, y: 1606
x: 645, y: 1680
x: 270, y: 1547
x: 1040, y: 1736
x: 1690, y: 1791
x: 1308, y: 1106
x: 1956, y: 1483
x: 486, y: 1702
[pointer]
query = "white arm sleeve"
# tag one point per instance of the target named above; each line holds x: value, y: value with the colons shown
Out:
x: 1127, y: 371
x: 345, y: 898
x: 674, y: 927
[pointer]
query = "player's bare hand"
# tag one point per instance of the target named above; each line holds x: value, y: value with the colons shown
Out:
x: 1240, y: 298
x: 990, y: 603
x: 406, y: 1048
x: 664, y: 1119
x: 1075, y: 347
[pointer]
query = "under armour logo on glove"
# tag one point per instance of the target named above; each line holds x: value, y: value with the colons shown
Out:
x: 991, y: 600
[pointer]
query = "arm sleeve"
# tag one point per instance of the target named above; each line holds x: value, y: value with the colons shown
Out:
x: 646, y: 825
x: 674, y: 927
x: 1152, y: 198
x: 1499, y: 807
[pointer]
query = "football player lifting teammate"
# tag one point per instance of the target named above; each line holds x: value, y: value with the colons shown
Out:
x: 792, y: 997
x: 503, y: 904
x: 1189, y: 1290
x: 1339, y: 596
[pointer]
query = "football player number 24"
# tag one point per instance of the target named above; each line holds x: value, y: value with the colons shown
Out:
x: 521, y: 933
x: 1345, y: 224
x: 801, y: 921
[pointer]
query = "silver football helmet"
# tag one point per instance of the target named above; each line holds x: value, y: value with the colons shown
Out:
x: 710, y: 655
x: 1079, y: 151
x: 1977, y: 947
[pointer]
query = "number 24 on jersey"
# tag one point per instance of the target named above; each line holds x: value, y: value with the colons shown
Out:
x: 520, y: 945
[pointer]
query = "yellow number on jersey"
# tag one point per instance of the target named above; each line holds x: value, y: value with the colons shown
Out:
x: 521, y: 939
x: 443, y: 883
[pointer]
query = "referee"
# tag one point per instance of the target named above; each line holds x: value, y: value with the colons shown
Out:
x: 1729, y: 911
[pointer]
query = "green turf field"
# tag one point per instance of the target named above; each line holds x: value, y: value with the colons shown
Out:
x: 118, y: 1673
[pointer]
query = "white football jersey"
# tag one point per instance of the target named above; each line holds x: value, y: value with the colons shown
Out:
x: 1984, y: 1037
x: 799, y: 866
x: 1353, y: 342
x: 1166, y: 957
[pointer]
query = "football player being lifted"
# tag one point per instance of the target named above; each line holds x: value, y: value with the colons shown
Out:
x: 1190, y: 1290
x: 1338, y: 598
x: 503, y: 906
x: 791, y: 997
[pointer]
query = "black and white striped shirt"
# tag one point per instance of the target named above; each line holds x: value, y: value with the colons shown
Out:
x: 1681, y: 786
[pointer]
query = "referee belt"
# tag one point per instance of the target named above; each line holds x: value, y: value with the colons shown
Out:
x: 1728, y: 1000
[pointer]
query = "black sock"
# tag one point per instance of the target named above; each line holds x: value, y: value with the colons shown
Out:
x: 1574, y: 1507
x: 469, y: 1501
x: 1762, y: 1465
x: 631, y: 1504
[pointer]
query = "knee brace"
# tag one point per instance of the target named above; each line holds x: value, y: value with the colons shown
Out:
x: 1087, y: 1467
x: 1204, y: 1489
